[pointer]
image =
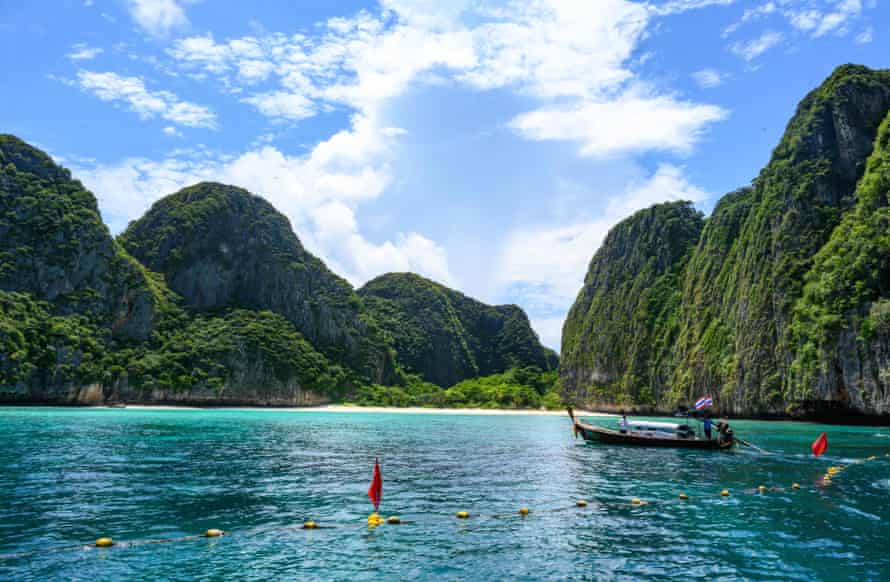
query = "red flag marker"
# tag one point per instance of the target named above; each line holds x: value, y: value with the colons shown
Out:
x: 375, y: 491
x: 820, y: 445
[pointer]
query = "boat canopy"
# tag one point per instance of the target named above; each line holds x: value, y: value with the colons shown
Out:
x: 662, y: 429
x: 643, y: 425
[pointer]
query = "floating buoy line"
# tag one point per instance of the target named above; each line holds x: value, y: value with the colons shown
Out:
x: 374, y: 520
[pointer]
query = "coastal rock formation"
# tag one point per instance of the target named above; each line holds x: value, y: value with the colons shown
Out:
x: 210, y: 298
x: 219, y: 245
x: 734, y: 325
x: 618, y: 335
x: 447, y: 337
x: 841, y: 325
x: 54, y: 246
x: 83, y: 322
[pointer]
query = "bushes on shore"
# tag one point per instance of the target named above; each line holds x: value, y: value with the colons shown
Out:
x: 526, y: 387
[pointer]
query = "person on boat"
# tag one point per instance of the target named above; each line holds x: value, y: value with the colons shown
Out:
x: 708, y: 424
x: 725, y: 434
x: 623, y: 425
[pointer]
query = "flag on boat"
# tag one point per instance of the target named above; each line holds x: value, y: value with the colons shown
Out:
x: 375, y: 491
x: 704, y: 402
x: 820, y: 445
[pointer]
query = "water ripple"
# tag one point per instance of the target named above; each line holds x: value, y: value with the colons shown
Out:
x: 71, y: 476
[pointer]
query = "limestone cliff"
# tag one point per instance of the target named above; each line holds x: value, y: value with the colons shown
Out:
x: 841, y: 325
x: 732, y: 332
x: 54, y: 245
x: 447, y: 337
x: 220, y: 246
x: 617, y: 337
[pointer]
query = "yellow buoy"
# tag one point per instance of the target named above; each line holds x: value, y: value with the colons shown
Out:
x: 684, y: 496
x: 374, y: 520
x: 213, y: 533
x: 871, y: 458
x: 462, y: 515
x: 523, y: 511
x: 581, y: 503
x: 795, y: 485
x: 761, y: 488
x: 310, y: 525
x: 393, y: 519
x: 636, y: 501
x: 104, y: 543
x: 724, y: 493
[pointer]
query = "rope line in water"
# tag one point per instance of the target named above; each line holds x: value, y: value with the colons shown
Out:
x: 523, y: 513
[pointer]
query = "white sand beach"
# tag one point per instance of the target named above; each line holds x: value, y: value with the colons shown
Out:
x: 379, y: 409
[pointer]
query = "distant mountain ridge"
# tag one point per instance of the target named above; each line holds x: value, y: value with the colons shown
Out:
x: 445, y: 336
x: 209, y: 298
x: 220, y: 246
x: 751, y: 310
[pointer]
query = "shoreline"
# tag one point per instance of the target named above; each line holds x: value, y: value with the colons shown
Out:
x: 844, y: 420
x: 341, y: 408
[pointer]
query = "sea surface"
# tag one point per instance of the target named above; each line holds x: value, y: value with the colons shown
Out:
x: 69, y: 476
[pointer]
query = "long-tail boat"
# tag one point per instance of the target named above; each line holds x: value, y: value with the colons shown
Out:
x: 652, y: 434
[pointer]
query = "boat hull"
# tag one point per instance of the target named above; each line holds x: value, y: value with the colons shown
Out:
x: 604, y: 435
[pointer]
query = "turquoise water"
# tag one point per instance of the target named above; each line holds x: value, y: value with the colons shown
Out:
x: 69, y: 476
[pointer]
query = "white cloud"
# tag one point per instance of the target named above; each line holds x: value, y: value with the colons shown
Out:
x: 574, y: 64
x: 836, y: 20
x: 754, y: 48
x: 572, y: 57
x: 832, y: 17
x: 319, y: 193
x: 546, y: 264
x: 336, y: 230
x: 559, y: 49
x: 172, y: 131
x: 158, y: 17
x: 866, y: 36
x: 806, y: 20
x: 281, y: 104
x: 680, y: 6
x: 708, y: 78
x: 749, y: 15
x: 549, y: 330
x: 83, y: 52
x: 147, y: 104
x: 628, y: 124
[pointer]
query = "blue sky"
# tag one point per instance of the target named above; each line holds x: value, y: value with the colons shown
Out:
x: 487, y: 145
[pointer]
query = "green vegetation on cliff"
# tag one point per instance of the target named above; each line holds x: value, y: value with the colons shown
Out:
x: 846, y: 299
x: 445, y: 336
x: 206, y: 351
x: 619, y: 333
x: 220, y: 246
x: 220, y: 303
x: 77, y: 310
x: 733, y: 325
x: 54, y: 245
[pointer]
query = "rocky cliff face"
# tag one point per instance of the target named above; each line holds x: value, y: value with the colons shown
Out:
x: 617, y: 337
x: 67, y: 289
x: 734, y: 322
x: 82, y: 322
x: 220, y: 245
x: 840, y: 330
x: 210, y: 298
x: 446, y: 336
x: 54, y: 246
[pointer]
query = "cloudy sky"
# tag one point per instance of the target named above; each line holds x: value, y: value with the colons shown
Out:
x: 487, y: 145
